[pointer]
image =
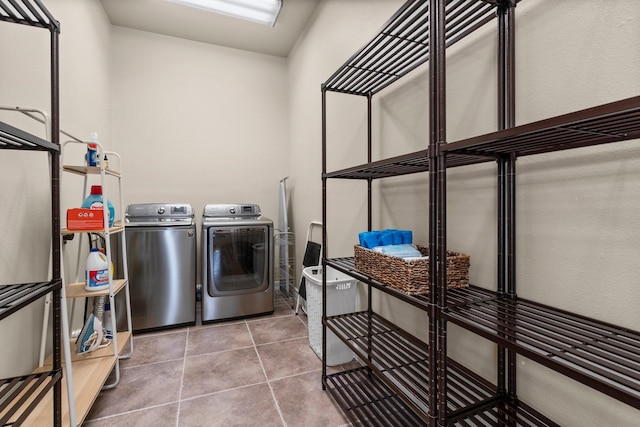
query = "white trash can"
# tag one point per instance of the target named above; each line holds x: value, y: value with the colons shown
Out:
x: 342, y: 295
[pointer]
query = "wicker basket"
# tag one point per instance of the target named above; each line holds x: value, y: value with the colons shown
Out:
x: 410, y: 277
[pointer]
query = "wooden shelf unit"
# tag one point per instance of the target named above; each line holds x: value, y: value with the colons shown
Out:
x: 92, y: 370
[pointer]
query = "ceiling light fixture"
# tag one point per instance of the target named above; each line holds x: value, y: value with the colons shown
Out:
x: 260, y: 11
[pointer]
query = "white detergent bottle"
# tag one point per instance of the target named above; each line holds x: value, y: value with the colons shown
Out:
x: 97, y: 271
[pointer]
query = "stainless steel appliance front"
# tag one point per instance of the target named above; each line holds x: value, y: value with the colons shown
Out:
x: 161, y: 254
x: 237, y: 251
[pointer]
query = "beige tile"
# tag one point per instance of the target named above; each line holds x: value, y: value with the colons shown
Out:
x: 303, y: 402
x: 140, y: 387
x: 302, y: 316
x: 221, y: 371
x: 248, y: 406
x: 159, y: 416
x: 157, y: 347
x: 281, y: 308
x: 223, y: 380
x: 286, y: 358
x: 277, y: 329
x: 219, y: 337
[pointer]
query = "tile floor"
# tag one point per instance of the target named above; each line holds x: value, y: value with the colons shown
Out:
x: 253, y: 372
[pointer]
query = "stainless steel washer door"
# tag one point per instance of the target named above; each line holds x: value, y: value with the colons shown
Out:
x: 237, y: 260
x: 162, y: 273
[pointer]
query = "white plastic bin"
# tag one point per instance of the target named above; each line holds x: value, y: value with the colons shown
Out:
x: 341, y: 299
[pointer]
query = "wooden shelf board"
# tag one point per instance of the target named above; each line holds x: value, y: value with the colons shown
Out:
x: 117, y: 228
x: 89, y: 170
x: 77, y: 290
x: 123, y: 339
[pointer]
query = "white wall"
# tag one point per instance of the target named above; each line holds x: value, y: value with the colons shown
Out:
x: 197, y: 123
x: 338, y: 30
x: 24, y: 197
x: 577, y: 221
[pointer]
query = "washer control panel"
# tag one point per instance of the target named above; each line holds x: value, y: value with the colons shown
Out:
x: 159, y: 214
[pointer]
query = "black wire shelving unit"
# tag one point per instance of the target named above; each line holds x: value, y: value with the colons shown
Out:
x: 404, y: 381
x: 19, y: 396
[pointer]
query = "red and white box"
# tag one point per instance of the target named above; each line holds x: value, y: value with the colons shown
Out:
x: 85, y: 219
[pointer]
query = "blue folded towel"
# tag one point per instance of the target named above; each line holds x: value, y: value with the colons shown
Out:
x: 368, y: 239
x: 391, y: 236
x: 372, y: 239
x: 385, y: 237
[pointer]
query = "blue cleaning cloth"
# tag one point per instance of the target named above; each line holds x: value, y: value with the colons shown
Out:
x: 372, y: 239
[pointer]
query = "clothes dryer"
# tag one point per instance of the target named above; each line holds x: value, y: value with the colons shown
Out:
x: 237, y: 262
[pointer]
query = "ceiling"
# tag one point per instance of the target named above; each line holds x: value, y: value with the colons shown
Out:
x: 163, y: 17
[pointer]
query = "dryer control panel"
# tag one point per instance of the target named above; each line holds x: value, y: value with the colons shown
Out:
x: 233, y: 210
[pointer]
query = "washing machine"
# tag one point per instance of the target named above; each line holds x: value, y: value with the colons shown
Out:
x: 161, y: 254
x: 237, y: 262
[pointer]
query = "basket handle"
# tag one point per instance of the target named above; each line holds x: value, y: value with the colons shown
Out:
x: 310, y: 230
